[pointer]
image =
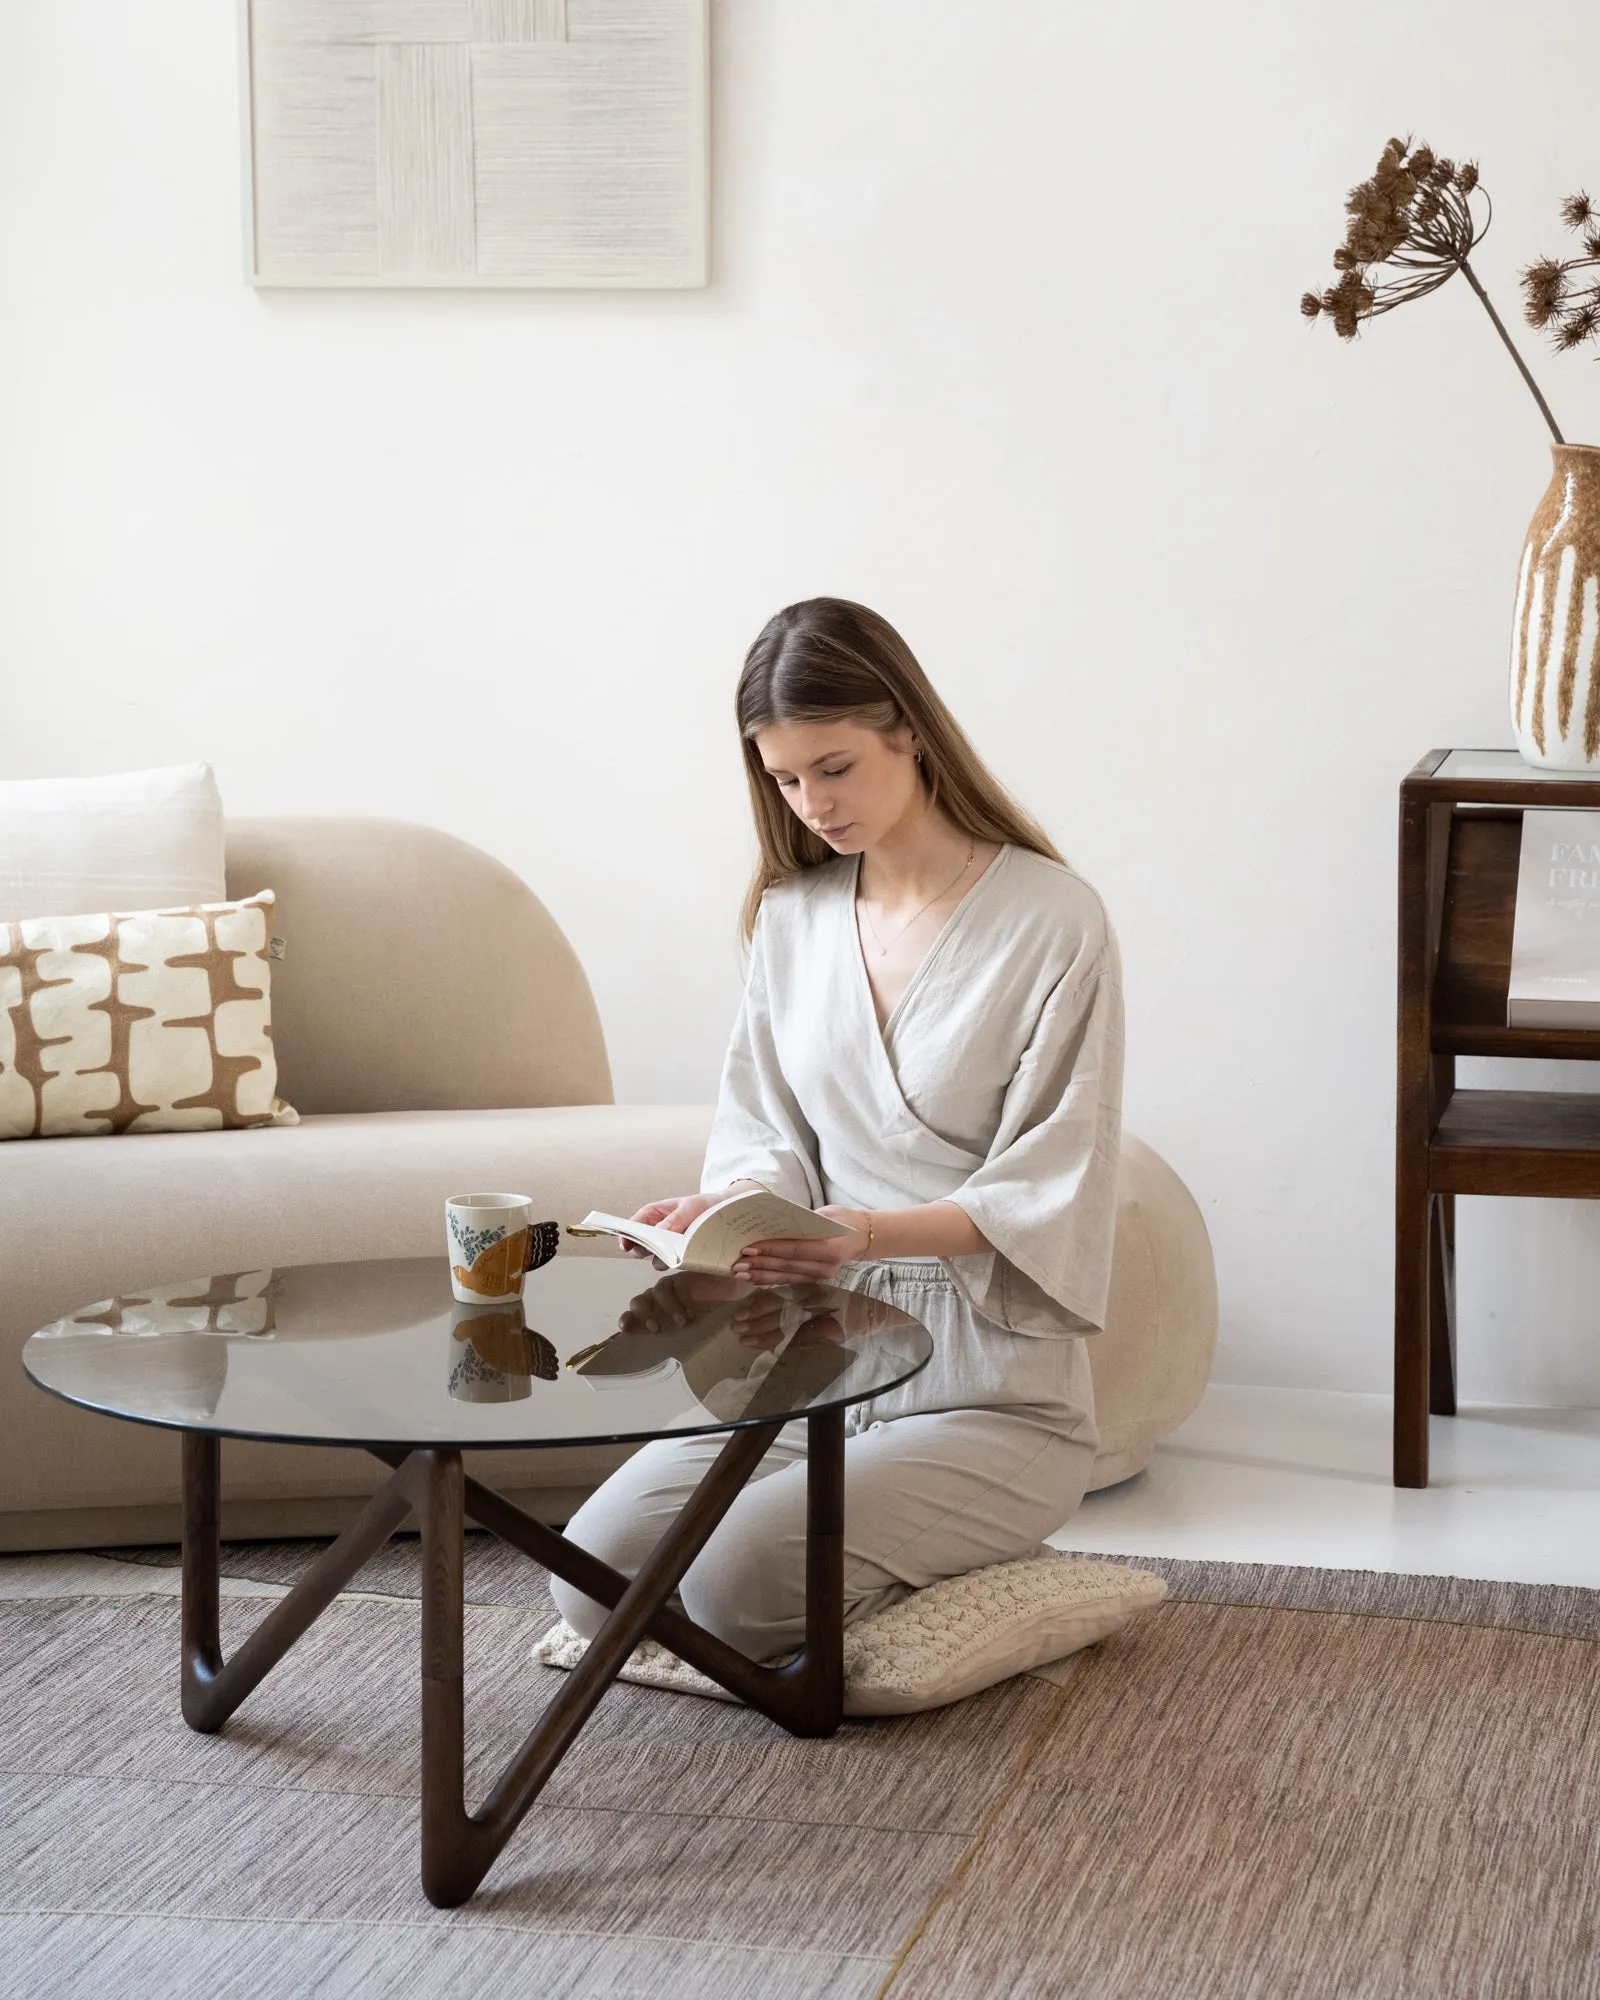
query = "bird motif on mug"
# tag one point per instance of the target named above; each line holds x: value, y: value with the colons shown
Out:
x: 496, y: 1271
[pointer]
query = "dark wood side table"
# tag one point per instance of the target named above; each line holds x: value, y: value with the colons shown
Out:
x: 1460, y: 840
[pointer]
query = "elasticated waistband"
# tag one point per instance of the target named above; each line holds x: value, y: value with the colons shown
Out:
x: 906, y: 1271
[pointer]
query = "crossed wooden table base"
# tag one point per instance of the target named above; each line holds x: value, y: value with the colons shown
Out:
x: 459, y: 1847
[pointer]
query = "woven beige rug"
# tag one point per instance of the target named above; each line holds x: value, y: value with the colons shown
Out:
x: 1285, y: 1782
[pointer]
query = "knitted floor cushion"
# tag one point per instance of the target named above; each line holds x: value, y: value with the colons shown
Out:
x: 942, y: 1643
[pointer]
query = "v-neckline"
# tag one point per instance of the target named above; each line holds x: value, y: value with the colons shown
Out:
x: 886, y: 1026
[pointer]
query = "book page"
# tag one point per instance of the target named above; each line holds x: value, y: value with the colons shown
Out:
x: 715, y: 1240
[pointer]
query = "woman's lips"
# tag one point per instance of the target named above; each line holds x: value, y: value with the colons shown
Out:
x: 833, y: 832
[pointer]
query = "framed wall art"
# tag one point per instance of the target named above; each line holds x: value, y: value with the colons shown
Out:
x: 476, y: 142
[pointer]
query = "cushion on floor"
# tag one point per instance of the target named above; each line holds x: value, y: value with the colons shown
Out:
x: 939, y: 1644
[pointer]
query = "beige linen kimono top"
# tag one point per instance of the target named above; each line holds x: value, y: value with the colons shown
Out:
x: 995, y: 1083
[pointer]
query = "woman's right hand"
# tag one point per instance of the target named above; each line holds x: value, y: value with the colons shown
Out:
x: 676, y: 1212
x: 675, y: 1300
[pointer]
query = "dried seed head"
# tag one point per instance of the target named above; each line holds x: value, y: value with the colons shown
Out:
x: 1310, y: 304
x: 1467, y: 177
x: 1577, y: 211
x: 1412, y: 208
x: 1347, y: 303
x: 1544, y: 286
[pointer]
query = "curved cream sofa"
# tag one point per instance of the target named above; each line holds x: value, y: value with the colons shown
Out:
x: 483, y: 1062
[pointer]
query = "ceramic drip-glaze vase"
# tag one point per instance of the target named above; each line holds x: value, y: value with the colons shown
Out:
x: 1555, y: 661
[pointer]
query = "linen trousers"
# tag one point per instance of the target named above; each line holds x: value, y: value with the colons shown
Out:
x: 927, y: 1496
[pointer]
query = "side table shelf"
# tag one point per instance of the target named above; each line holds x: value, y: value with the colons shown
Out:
x: 1460, y: 839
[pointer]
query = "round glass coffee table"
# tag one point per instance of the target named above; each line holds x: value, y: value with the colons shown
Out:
x: 379, y: 1356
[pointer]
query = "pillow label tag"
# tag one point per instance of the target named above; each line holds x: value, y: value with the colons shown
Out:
x: 276, y: 947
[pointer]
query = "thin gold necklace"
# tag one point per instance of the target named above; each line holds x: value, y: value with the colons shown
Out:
x: 883, y: 949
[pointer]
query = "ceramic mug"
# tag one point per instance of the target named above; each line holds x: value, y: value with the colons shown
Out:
x: 491, y: 1241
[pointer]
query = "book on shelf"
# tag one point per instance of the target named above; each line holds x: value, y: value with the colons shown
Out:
x: 1555, y: 940
x: 715, y: 1240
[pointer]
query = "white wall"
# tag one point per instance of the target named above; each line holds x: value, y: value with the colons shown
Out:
x: 1003, y: 339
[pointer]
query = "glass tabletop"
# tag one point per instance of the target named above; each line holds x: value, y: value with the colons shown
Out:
x: 1508, y: 765
x: 380, y: 1353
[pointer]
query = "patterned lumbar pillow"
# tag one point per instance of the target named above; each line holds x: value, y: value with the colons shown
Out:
x: 147, y: 1021
x: 942, y: 1643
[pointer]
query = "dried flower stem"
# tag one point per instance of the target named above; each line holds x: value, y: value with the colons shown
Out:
x: 1471, y: 277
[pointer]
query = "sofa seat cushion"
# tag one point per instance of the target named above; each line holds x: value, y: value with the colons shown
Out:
x: 83, y: 1220
x: 80, y: 1222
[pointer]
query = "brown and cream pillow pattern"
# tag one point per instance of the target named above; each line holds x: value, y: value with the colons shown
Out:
x: 143, y: 1021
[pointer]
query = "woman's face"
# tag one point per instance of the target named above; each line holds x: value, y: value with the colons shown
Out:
x: 847, y: 782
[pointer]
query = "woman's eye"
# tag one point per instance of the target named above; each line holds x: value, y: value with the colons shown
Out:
x: 783, y: 784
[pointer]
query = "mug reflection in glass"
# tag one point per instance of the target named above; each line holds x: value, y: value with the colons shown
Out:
x: 495, y: 1354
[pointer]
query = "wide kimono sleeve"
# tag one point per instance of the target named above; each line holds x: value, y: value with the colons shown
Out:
x: 759, y: 1132
x: 1046, y: 1195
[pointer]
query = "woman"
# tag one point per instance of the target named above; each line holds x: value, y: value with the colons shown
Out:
x: 929, y: 1050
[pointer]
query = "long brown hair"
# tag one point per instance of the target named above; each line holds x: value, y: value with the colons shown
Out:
x: 827, y: 659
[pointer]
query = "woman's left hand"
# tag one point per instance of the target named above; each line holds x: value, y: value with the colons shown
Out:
x: 791, y: 1260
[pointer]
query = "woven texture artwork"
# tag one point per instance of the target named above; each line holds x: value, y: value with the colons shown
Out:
x: 150, y: 1021
x: 478, y: 142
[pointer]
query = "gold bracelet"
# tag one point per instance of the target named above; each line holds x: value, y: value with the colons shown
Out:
x: 869, y: 1232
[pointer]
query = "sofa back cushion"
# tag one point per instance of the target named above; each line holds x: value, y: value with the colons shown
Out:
x: 419, y: 974
x: 138, y: 840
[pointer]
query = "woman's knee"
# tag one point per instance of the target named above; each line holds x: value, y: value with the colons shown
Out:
x: 581, y: 1613
x: 748, y: 1590
x: 608, y: 1531
x: 584, y: 1614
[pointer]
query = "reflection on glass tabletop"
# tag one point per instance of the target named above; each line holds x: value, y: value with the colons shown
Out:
x: 598, y: 1350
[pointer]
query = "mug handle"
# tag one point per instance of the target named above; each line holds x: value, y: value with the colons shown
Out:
x: 544, y: 1240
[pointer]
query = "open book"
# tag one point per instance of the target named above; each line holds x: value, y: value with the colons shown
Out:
x: 714, y: 1241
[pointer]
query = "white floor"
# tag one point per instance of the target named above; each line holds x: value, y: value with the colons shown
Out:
x: 1264, y: 1476
x: 1298, y: 1476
